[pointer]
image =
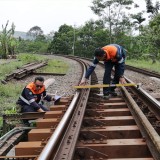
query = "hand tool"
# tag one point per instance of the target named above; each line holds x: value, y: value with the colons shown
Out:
x: 107, y: 85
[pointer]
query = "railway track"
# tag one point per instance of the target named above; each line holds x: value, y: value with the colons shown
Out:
x: 87, y: 126
x: 143, y: 71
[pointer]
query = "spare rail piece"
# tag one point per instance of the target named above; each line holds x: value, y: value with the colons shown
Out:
x: 25, y: 70
x: 12, y: 137
x: 20, y: 116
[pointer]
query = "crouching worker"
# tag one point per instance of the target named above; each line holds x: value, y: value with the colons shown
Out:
x: 31, y: 97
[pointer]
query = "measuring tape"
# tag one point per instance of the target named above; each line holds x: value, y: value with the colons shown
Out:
x: 107, y: 85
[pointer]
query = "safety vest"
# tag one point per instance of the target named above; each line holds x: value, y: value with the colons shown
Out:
x: 31, y: 86
x: 111, y: 52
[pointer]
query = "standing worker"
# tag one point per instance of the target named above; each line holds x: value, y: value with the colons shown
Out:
x: 32, y: 95
x: 113, y: 55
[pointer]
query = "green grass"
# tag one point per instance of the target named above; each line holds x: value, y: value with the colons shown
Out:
x: 28, y: 58
x: 10, y: 92
x: 55, y: 66
x: 145, y: 64
x: 2, y: 60
x: 8, y: 68
x: 22, y: 59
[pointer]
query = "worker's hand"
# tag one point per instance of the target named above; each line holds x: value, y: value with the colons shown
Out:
x: 83, y: 82
x: 122, y: 80
x: 52, y: 99
x: 40, y: 110
x: 57, y: 98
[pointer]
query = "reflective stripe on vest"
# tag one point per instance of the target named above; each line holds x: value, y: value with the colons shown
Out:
x: 26, y: 101
x: 121, y: 61
x: 93, y: 65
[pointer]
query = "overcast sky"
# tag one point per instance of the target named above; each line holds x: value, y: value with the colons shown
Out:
x: 47, y: 14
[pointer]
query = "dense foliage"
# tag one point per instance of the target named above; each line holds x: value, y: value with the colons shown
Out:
x: 116, y: 23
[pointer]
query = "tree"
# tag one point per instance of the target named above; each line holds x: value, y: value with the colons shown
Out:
x: 50, y: 36
x: 7, y: 41
x: 155, y: 36
x: 153, y: 9
x: 112, y: 13
x: 35, y: 31
x: 62, y: 40
x: 138, y: 19
x: 91, y: 35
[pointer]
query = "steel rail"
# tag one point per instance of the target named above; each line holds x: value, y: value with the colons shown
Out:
x: 150, y: 135
x: 72, y: 132
x: 70, y: 138
x: 132, y: 68
x: 47, y: 151
x: 149, y: 100
x: 155, y: 148
x: 51, y: 144
x: 5, y: 140
x: 67, y: 147
x: 143, y: 71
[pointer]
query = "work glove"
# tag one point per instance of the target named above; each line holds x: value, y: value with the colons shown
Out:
x: 57, y: 98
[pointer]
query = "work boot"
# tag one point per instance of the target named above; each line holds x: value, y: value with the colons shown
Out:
x: 113, y: 93
x: 106, y: 95
x: 26, y: 123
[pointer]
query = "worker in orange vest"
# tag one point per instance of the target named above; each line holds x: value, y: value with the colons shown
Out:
x: 113, y: 55
x: 32, y: 95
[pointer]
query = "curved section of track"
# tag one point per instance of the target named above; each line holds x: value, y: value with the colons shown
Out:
x: 143, y: 71
x: 96, y: 128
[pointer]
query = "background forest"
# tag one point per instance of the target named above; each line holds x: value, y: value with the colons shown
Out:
x: 138, y: 32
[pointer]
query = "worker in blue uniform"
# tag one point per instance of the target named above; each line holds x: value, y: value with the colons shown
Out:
x: 113, y: 55
x: 32, y: 96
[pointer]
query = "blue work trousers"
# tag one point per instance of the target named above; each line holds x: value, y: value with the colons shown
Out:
x: 107, y: 75
x: 28, y: 108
